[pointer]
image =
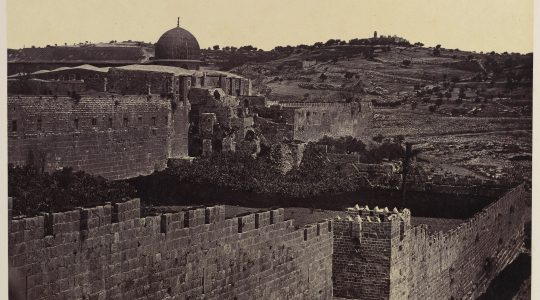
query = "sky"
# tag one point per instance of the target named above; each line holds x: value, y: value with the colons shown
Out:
x: 480, y: 25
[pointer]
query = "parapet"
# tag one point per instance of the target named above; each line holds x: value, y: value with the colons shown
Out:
x: 377, y: 214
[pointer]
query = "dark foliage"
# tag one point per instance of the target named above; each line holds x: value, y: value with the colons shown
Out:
x: 243, y: 173
x: 343, y: 144
x: 316, y: 175
x: 62, y: 190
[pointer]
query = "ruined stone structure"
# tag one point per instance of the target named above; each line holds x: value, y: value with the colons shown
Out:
x: 114, y: 136
x: 379, y: 255
x: 111, y: 252
x: 219, y: 122
x: 92, y: 102
x: 286, y: 156
x: 313, y: 121
x: 174, y: 75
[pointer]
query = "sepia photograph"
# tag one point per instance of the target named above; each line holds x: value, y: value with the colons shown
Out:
x: 274, y: 150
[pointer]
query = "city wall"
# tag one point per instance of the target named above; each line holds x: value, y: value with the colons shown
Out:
x: 117, y: 137
x: 111, y: 252
x: 378, y: 255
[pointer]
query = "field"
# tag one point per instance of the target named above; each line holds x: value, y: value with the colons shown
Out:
x: 466, y: 113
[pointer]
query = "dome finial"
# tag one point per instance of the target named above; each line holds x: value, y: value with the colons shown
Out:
x: 178, y: 22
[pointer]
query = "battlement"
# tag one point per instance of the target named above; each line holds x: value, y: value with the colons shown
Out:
x: 365, y: 214
x: 318, y: 104
x: 186, y: 253
x: 394, y: 260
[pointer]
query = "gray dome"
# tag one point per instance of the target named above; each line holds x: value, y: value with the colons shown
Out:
x: 177, y: 44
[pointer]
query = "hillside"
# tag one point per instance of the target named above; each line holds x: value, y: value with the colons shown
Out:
x: 468, y: 113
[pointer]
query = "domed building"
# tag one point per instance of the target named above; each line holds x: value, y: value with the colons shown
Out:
x: 178, y: 47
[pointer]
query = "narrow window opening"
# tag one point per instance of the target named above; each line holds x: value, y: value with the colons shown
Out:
x: 76, y: 124
x: 14, y: 125
x: 39, y: 124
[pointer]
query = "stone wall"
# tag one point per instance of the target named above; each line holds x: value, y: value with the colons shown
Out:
x: 312, y: 121
x: 141, y: 82
x: 94, y: 79
x: 179, y: 131
x: 45, y: 87
x: 378, y: 255
x: 117, y: 137
x: 111, y: 252
x: 272, y: 132
x: 362, y: 255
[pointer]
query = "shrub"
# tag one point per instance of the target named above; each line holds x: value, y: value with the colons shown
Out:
x: 378, y: 138
x: 437, y: 50
x: 349, y: 75
x: 343, y: 144
x: 387, y: 150
x: 62, y: 190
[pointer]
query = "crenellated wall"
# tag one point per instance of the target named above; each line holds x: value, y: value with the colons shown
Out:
x: 111, y: 252
x: 462, y: 262
x: 379, y: 255
x: 363, y: 251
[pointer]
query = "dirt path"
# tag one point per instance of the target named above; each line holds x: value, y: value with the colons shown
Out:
x: 464, y: 134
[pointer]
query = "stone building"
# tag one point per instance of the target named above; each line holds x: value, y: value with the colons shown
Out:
x: 201, y: 104
x: 176, y: 47
x: 210, y: 111
x: 186, y: 96
x: 308, y: 122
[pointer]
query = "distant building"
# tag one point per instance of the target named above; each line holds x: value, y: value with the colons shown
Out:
x: 176, y: 47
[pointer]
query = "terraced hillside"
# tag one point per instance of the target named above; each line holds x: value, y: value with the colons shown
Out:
x: 468, y: 113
